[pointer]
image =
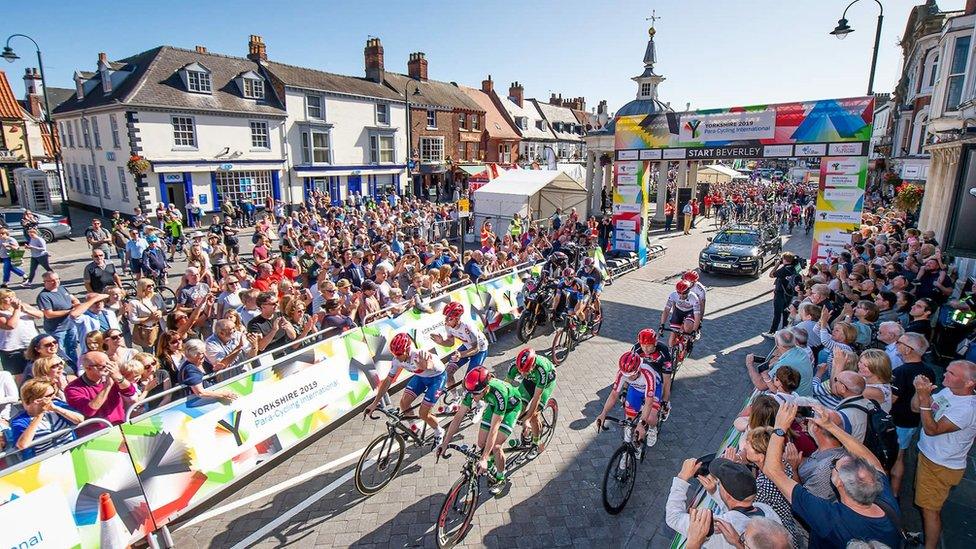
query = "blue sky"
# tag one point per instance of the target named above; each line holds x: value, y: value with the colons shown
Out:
x: 713, y: 52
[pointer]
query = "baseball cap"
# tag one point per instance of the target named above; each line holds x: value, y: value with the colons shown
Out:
x: 152, y: 238
x: 343, y: 283
x: 736, y: 479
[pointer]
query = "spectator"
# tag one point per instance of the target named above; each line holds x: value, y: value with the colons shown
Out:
x: 192, y: 292
x: 43, y: 414
x: 269, y: 324
x: 98, y: 237
x: 191, y: 371
x: 100, y: 390
x: 146, y: 314
x: 888, y: 333
x: 808, y: 314
x: 249, y: 305
x: 687, y: 212
x: 816, y: 469
x: 841, y: 336
x: 864, y: 502
x: 56, y: 304
x: 920, y: 315
x: 51, y: 369
x: 783, y: 290
x: 473, y: 267
x: 369, y: 304
x: 853, y: 407
x: 39, y: 256
x: 911, y: 347
x: 17, y: 330
x: 355, y: 272
x: 788, y: 354
x: 100, y: 274
x: 229, y: 346
x: 875, y: 367
x: 230, y: 298
x: 114, y: 346
x: 669, y: 209
x: 886, y: 302
x: 154, y: 263
x: 948, y: 430
x: 90, y: 315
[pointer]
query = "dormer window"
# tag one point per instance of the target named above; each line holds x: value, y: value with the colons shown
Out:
x: 196, y: 77
x: 251, y: 85
x: 645, y: 89
x: 539, y: 124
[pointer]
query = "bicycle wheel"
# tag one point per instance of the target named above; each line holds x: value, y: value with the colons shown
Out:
x: 549, y: 414
x: 596, y: 324
x: 457, y: 511
x: 379, y: 463
x: 130, y: 290
x: 561, y: 345
x: 169, y: 297
x: 618, y: 480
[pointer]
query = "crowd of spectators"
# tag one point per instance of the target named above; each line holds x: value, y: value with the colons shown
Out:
x: 139, y: 336
x: 846, y: 400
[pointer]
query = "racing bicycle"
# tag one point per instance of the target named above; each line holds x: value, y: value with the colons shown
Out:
x: 680, y: 349
x: 621, y: 473
x: 569, y: 333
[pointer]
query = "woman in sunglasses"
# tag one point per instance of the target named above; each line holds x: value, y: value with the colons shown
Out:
x: 51, y: 369
x: 42, y: 346
x: 113, y: 344
x: 16, y: 332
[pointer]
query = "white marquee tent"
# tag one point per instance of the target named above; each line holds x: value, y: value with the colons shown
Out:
x: 717, y: 173
x: 532, y: 193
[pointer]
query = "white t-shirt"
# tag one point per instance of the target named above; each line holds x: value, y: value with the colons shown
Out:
x: 950, y: 449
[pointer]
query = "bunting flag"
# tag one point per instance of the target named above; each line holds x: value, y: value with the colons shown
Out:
x: 601, y: 262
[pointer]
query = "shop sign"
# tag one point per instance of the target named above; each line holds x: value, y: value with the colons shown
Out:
x: 226, y: 167
x: 172, y: 177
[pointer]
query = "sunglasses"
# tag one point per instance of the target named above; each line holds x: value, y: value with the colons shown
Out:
x: 49, y: 344
x: 114, y: 336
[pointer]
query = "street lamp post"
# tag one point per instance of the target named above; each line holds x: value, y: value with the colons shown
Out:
x: 406, y: 94
x: 10, y: 56
x: 843, y: 29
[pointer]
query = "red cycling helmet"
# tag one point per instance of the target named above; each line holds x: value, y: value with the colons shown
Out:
x: 453, y: 310
x: 690, y: 276
x: 682, y: 286
x: 525, y: 360
x: 400, y: 344
x: 476, y: 380
x: 647, y: 336
x: 629, y: 363
x: 568, y: 272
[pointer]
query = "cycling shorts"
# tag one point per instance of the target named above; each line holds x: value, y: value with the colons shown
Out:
x: 598, y: 287
x: 508, y: 420
x: 635, y: 399
x: 678, y: 317
x: 527, y: 390
x: 430, y: 387
x: 472, y: 361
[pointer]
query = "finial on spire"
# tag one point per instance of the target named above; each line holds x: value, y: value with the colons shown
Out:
x: 653, y: 19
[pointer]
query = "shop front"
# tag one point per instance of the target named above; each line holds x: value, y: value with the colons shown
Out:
x: 212, y: 185
x: 340, y: 183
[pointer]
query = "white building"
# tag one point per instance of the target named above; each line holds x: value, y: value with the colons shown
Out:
x: 210, y: 126
x: 565, y: 126
x: 344, y: 134
x: 529, y: 123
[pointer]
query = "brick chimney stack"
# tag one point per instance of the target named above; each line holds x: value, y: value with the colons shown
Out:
x: 256, y: 49
x: 516, y: 93
x: 104, y: 73
x: 373, y: 55
x: 487, y: 86
x: 970, y: 7
x: 200, y: 49
x: 32, y: 82
x: 417, y: 66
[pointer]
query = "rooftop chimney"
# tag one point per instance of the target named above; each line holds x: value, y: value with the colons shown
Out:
x: 487, y: 86
x: 200, y: 49
x: 32, y: 83
x: 417, y: 66
x: 516, y: 93
x: 104, y: 73
x: 373, y: 53
x: 256, y: 50
x: 970, y: 7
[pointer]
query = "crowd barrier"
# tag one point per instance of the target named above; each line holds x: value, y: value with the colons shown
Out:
x: 163, y: 462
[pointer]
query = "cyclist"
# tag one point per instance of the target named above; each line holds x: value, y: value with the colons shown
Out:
x: 502, y: 409
x: 428, y: 380
x: 538, y: 379
x: 594, y: 281
x: 643, y: 394
x: 657, y: 355
x: 808, y: 215
x: 683, y: 310
x: 474, y: 345
x: 795, y: 213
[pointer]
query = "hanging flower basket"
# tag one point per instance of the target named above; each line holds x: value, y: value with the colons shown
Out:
x: 137, y: 165
x: 908, y: 197
x: 605, y: 159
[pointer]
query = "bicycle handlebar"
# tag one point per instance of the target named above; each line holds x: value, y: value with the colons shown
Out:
x: 468, y: 451
x: 392, y: 413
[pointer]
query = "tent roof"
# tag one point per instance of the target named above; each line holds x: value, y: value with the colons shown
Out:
x: 529, y: 182
x: 724, y: 170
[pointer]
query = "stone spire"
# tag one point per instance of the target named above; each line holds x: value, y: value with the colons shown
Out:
x: 648, y: 81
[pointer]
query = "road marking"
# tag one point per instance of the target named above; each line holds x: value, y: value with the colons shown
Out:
x: 308, y: 502
x: 270, y: 491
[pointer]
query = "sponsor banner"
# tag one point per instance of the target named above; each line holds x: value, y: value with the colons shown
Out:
x: 840, y: 200
x: 728, y: 126
x: 847, y: 120
x: 777, y: 151
x: 627, y: 155
x: 734, y: 151
x: 626, y: 225
x: 625, y: 235
x: 626, y: 168
x: 623, y: 180
x: 500, y: 297
x: 630, y: 206
x: 846, y: 149
x: 53, y: 502
x: 628, y: 194
x: 810, y: 149
x: 650, y: 154
x: 674, y: 154
x: 626, y: 208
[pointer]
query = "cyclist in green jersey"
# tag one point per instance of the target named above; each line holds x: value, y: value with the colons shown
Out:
x: 503, y: 406
x: 538, y: 379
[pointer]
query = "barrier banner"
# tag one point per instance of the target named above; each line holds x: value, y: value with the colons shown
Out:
x: 53, y: 502
x: 501, y: 298
x: 630, y: 206
x: 188, y: 451
x: 840, y: 201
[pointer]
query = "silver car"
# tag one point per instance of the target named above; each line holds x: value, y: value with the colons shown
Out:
x: 49, y: 227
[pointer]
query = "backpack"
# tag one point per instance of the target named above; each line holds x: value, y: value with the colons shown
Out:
x: 880, y: 436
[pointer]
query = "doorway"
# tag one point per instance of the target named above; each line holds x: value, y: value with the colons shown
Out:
x: 176, y: 195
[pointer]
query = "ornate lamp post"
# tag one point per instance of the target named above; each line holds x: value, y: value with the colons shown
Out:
x: 843, y: 29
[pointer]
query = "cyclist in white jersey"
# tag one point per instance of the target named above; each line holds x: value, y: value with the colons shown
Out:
x: 643, y: 395
x: 683, y: 310
x: 474, y: 345
x: 699, y: 290
x: 428, y: 380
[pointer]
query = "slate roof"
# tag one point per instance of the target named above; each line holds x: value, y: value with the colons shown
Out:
x: 554, y: 114
x: 433, y: 93
x: 154, y: 80
x: 495, y: 123
x: 300, y: 77
x: 529, y: 111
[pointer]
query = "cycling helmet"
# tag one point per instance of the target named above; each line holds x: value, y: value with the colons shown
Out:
x: 525, y: 360
x: 682, y: 286
x: 453, y: 310
x: 400, y: 344
x: 476, y: 380
x: 690, y: 276
x: 568, y: 272
x: 589, y: 262
x: 647, y: 336
x: 629, y: 363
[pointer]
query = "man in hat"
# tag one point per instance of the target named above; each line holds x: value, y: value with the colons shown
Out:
x: 736, y: 490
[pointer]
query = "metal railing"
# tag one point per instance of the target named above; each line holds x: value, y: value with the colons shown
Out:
x: 53, y: 436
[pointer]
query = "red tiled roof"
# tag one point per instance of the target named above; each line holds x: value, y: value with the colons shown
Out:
x: 9, y: 108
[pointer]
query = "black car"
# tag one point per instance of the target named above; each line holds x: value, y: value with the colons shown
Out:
x: 742, y: 249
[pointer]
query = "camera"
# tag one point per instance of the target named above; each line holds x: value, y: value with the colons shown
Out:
x: 703, y: 463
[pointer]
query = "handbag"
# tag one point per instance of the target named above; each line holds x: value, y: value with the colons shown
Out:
x: 145, y: 335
